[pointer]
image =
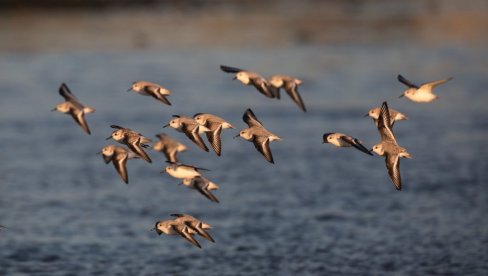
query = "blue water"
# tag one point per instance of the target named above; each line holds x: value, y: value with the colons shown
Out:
x: 319, y: 210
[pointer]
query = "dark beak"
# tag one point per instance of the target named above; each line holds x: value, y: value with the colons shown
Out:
x: 237, y: 136
x: 166, y: 125
x: 234, y: 78
x: 401, y: 95
x: 371, y: 150
x: 54, y: 109
x: 110, y: 137
x: 367, y: 114
x: 99, y: 152
x: 130, y: 89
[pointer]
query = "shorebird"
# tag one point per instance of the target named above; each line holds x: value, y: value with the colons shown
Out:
x: 250, y: 78
x: 190, y: 128
x: 73, y: 107
x: 174, y: 227
x: 257, y: 134
x: 203, y: 185
x: 389, y: 148
x: 290, y: 84
x: 343, y: 140
x: 394, y: 115
x: 215, y: 124
x: 118, y: 156
x: 422, y: 93
x: 183, y: 171
x: 134, y: 140
x: 195, y: 224
x: 151, y: 89
x: 168, y: 146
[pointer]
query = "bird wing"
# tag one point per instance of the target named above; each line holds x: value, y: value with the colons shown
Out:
x: 384, y: 124
x: 136, y: 148
x: 355, y: 143
x: 201, y: 187
x: 121, y: 168
x: 433, y: 84
x: 66, y: 93
x: 191, y: 131
x: 262, y: 86
x: 153, y: 91
x: 251, y: 119
x: 407, y: 82
x: 171, y: 155
x: 79, y: 117
x: 213, y: 137
x: 291, y: 89
x: 229, y: 69
x: 393, y: 167
x: 262, y: 145
x: 184, y: 233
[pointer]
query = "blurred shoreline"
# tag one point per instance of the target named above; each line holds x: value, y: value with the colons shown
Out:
x: 48, y: 26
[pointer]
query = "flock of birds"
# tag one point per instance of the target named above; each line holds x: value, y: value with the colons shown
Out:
x: 211, y: 125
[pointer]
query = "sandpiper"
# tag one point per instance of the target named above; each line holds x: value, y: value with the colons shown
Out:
x: 73, y: 107
x: 250, y: 78
x: 134, y: 140
x: 118, y: 156
x: 290, y: 84
x: 168, y: 146
x: 151, y: 89
x: 203, y: 185
x: 183, y: 171
x: 389, y: 148
x: 422, y: 93
x: 342, y: 140
x: 394, y: 115
x: 190, y: 128
x: 174, y: 227
x: 215, y: 124
x: 257, y: 134
x: 195, y: 224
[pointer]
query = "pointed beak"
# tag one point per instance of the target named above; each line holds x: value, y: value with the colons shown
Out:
x: 130, y: 89
x: 401, y: 95
x: 366, y: 115
x: 54, y: 109
x: 234, y: 78
x: 237, y: 136
x: 166, y: 125
x: 100, y: 152
x: 371, y: 150
x: 108, y: 138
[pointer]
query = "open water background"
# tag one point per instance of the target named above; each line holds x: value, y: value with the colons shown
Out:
x: 319, y: 210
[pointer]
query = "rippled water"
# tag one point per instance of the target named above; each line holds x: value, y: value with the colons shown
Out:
x: 319, y: 210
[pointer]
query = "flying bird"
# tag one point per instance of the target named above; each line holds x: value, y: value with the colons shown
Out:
x: 250, y: 78
x: 154, y: 90
x: 202, y: 185
x: 118, y: 156
x: 168, y: 146
x: 134, y: 140
x: 343, y: 140
x: 258, y: 135
x: 374, y: 113
x: 290, y: 84
x: 421, y: 93
x: 389, y: 148
x: 215, y: 124
x: 73, y: 107
x: 182, y: 171
x: 174, y: 227
x: 190, y: 128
